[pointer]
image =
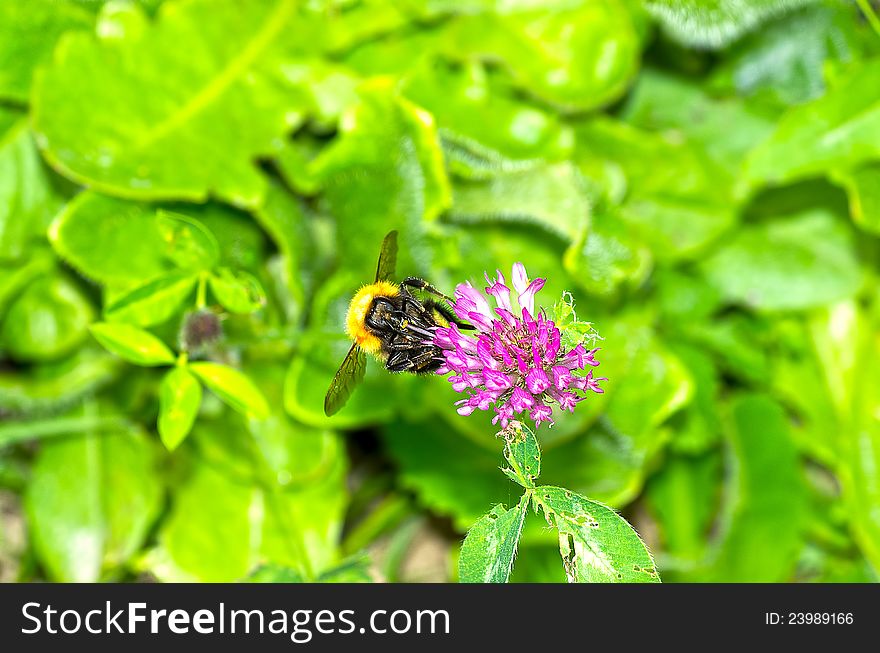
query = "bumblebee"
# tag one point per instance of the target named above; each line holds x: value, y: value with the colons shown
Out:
x: 387, y: 320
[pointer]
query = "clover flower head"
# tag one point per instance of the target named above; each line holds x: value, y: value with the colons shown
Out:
x: 512, y: 362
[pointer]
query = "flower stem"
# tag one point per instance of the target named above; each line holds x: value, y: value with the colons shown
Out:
x: 202, y: 291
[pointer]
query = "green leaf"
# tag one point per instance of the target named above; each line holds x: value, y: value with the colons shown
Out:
x: 683, y: 497
x: 180, y: 396
x: 647, y: 385
x: 109, y: 240
x: 15, y: 277
x: 25, y: 430
x: 700, y: 427
x: 207, y: 536
x: 735, y: 343
x: 609, y: 257
x: 385, y: 168
x: 572, y: 330
x: 714, y: 23
x: 416, y: 446
x: 283, y: 217
x: 134, y: 345
x: 839, y: 130
x: 47, y: 321
x: 28, y: 34
x: 238, y: 293
x: 154, y: 302
x: 551, y: 197
x: 28, y: 195
x: 597, y: 545
x: 99, y: 129
x: 190, y: 244
x: 784, y: 62
x: 673, y: 196
x: 90, y: 503
x: 862, y: 187
x: 484, y: 131
x: 846, y: 348
x: 270, y: 573
x: 57, y: 384
x: 576, y: 57
x: 353, y: 570
x: 294, y: 161
x: 236, y: 509
x: 233, y: 387
x: 725, y: 129
x: 490, y: 546
x: 793, y: 262
x: 767, y: 500
x: 522, y: 454
x: 243, y: 245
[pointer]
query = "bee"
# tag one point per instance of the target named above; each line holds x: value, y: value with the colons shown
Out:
x: 387, y: 320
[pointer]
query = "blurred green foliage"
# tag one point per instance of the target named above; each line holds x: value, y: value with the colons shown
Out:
x: 191, y: 190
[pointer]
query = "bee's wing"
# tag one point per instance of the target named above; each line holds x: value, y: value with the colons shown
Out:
x: 348, y: 376
x: 385, y: 270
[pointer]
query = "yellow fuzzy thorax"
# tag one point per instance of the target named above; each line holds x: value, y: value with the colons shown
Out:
x: 357, y: 313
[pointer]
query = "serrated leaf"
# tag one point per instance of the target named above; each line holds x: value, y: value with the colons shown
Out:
x: 715, y: 23
x: 154, y: 302
x: 610, y: 256
x: 552, y: 197
x: 785, y: 60
x: 490, y: 546
x: 134, y: 345
x: 238, y: 293
x: 167, y: 147
x: 597, y: 545
x: 180, y: 396
x: 233, y: 387
x: 522, y: 454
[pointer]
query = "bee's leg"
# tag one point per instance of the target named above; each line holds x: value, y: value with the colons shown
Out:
x: 448, y: 315
x: 413, y: 360
x: 421, y: 284
x: 443, y: 309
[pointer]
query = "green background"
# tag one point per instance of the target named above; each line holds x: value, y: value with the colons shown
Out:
x: 702, y: 176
